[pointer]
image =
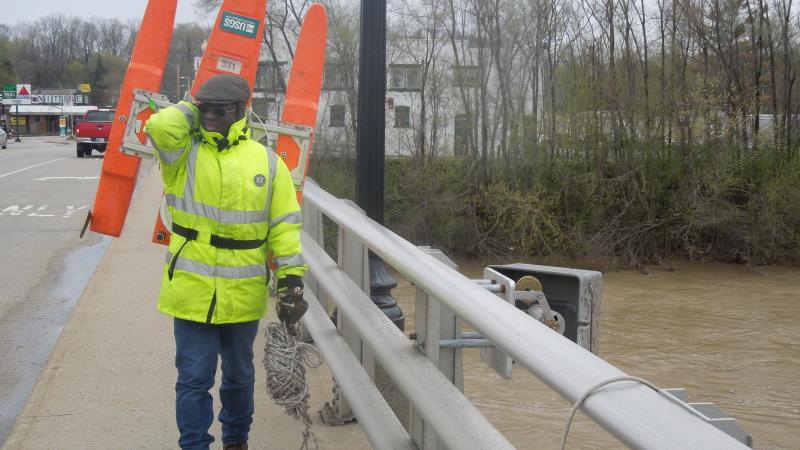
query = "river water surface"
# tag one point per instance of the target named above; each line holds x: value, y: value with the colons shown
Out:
x: 725, y: 333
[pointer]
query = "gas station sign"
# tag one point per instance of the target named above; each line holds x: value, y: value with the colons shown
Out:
x: 24, y: 94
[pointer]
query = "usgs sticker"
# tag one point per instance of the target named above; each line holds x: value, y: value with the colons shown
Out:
x: 239, y: 24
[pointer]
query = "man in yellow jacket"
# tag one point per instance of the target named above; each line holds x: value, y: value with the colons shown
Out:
x: 233, y: 204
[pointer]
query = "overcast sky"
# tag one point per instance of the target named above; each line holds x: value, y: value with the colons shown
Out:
x: 121, y: 9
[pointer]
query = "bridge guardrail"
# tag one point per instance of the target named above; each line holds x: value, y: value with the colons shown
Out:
x: 635, y: 414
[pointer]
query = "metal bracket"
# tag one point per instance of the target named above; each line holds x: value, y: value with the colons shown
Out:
x: 503, y: 287
x: 134, y: 141
x: 331, y: 412
x: 302, y: 137
x: 713, y: 415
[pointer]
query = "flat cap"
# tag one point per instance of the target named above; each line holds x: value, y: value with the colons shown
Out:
x: 224, y: 89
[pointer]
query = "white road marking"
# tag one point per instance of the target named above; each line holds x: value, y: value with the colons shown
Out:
x: 18, y: 210
x: 72, y: 210
x: 41, y: 208
x: 65, y: 178
x: 31, y: 167
x: 15, y: 210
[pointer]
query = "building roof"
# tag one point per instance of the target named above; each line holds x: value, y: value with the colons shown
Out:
x: 49, y: 110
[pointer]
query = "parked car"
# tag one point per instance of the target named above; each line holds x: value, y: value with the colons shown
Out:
x: 93, y: 130
x: 3, y: 139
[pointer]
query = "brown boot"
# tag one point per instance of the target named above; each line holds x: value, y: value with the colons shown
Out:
x: 237, y: 446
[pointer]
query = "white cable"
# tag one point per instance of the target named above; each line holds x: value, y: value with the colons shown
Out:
x: 601, y: 384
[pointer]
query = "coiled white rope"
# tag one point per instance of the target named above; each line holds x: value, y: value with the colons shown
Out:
x: 285, y: 359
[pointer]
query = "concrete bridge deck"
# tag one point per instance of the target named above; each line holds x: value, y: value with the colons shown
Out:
x: 109, y: 382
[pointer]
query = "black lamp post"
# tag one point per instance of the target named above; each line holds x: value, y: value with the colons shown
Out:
x: 370, y: 143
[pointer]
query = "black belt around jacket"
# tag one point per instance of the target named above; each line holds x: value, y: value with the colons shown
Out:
x: 218, y: 241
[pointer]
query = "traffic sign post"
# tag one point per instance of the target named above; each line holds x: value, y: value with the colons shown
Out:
x: 16, y: 133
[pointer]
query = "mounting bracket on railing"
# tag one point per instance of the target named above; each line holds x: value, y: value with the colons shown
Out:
x: 713, y: 415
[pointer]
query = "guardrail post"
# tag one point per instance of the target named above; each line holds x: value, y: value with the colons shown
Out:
x: 434, y: 323
x: 353, y: 259
x: 312, y: 224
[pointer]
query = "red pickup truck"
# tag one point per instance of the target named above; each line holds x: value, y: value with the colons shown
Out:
x: 93, y: 130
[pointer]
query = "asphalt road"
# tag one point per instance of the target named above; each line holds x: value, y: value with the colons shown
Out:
x: 45, y: 194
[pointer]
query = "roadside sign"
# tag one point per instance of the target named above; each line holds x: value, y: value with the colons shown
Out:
x: 22, y: 120
x: 197, y: 61
x: 24, y: 94
x: 9, y: 91
x: 85, y: 88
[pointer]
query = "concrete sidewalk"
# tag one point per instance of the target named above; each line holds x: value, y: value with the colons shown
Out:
x: 109, y: 382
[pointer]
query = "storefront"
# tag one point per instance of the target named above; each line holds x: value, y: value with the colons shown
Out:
x: 37, y: 120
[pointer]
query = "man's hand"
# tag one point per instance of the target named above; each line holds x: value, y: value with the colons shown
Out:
x: 291, y: 306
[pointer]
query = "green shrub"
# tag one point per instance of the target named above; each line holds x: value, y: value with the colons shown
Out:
x: 707, y: 205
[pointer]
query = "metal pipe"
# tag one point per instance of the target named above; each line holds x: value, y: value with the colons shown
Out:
x: 471, y: 335
x: 465, y: 343
x: 634, y: 414
x: 380, y: 424
x: 456, y: 420
x: 493, y: 288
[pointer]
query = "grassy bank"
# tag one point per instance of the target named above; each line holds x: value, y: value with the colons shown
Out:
x: 705, y: 206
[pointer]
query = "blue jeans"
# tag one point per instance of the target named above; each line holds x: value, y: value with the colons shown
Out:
x: 197, y: 346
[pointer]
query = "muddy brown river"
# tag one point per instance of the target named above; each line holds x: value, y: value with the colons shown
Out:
x: 728, y: 335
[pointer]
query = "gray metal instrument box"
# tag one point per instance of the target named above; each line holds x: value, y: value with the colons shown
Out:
x: 574, y: 293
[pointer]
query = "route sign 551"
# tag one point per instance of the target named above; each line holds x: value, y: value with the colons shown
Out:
x: 9, y: 91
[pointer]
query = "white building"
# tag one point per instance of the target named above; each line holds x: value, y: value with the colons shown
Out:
x: 421, y: 73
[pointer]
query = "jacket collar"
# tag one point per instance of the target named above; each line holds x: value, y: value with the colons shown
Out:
x: 237, y: 132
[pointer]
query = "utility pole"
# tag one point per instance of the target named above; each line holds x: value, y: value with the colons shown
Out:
x: 371, y: 145
x: 17, y: 139
x: 177, y: 82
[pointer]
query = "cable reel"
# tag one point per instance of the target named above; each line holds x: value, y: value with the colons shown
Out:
x: 530, y: 298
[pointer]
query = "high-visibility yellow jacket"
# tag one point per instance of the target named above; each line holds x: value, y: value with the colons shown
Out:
x: 230, y: 209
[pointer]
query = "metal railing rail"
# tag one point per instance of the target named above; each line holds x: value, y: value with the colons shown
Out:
x: 383, y: 429
x: 636, y: 415
x: 453, y: 416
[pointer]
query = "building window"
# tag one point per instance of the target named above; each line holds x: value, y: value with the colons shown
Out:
x: 404, y: 77
x: 466, y: 76
x: 337, y: 116
x: 461, y: 135
x: 402, y: 117
x: 270, y: 77
x: 334, y: 77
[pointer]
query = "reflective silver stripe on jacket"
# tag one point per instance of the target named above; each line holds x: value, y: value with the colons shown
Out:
x: 294, y: 218
x: 212, y: 212
x: 168, y: 157
x: 191, y: 168
x: 272, y: 162
x: 187, y: 113
x: 293, y: 260
x: 240, y: 272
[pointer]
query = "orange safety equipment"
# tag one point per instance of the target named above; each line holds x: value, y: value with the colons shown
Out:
x: 118, y: 177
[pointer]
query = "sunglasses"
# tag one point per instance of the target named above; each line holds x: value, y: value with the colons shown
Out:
x: 218, y: 111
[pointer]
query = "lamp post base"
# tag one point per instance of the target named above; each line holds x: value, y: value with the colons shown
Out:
x: 381, y: 284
